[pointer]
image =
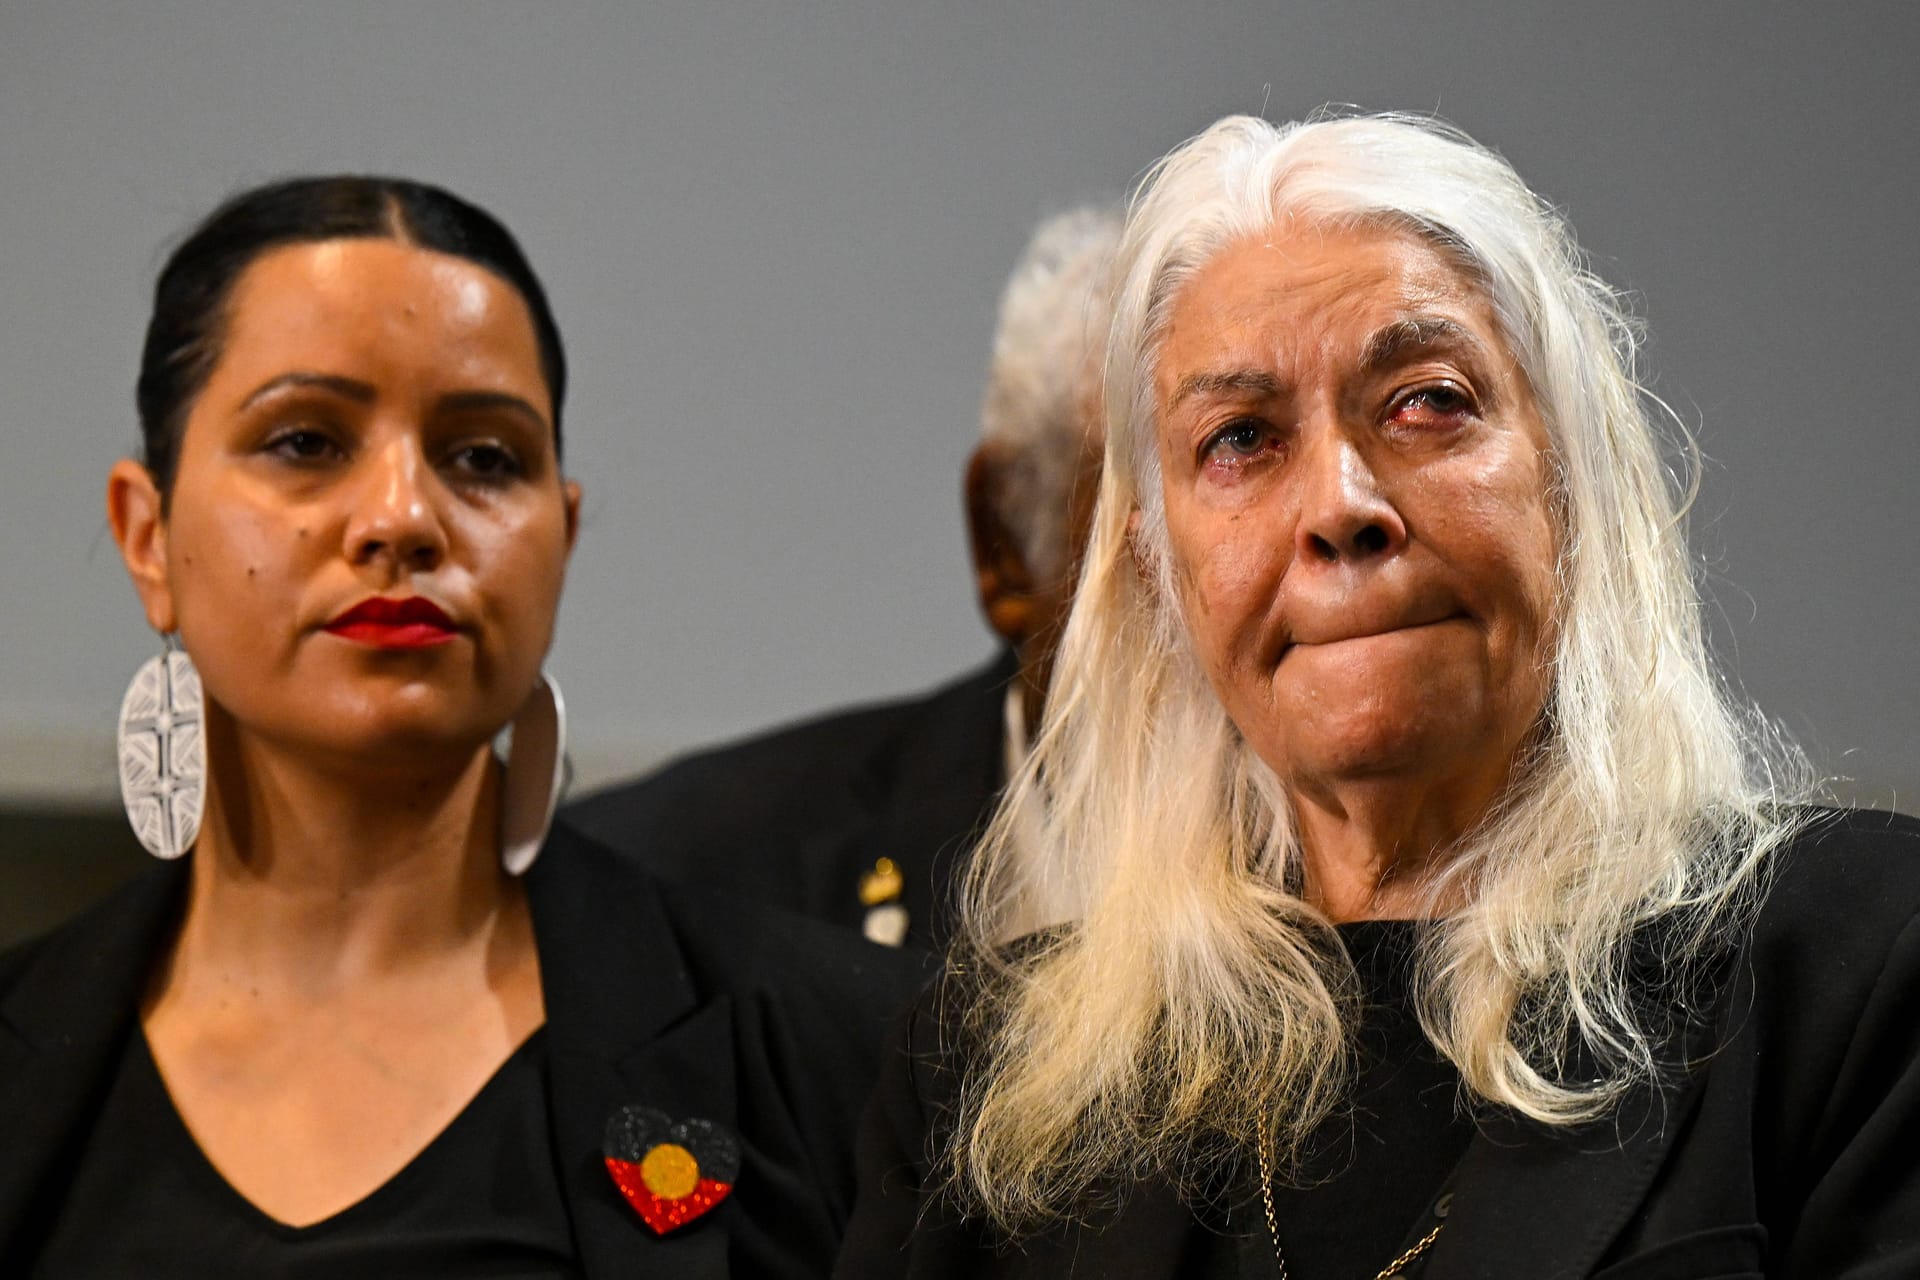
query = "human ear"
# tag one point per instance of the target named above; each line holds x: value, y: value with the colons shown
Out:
x: 1002, y: 576
x: 135, y: 514
x: 1134, y: 551
x: 570, y: 493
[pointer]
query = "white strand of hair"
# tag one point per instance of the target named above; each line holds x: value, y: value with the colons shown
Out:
x: 1052, y: 323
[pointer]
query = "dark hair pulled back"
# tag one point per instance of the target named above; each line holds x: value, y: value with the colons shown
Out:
x: 191, y: 296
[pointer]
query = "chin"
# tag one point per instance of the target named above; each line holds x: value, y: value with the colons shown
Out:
x: 418, y: 737
x: 387, y: 742
x: 1369, y: 743
x: 1363, y: 760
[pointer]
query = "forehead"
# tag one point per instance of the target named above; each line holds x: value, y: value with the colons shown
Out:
x: 1304, y: 292
x: 356, y: 302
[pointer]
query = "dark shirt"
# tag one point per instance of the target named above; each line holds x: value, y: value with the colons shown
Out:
x: 1372, y: 1171
x: 482, y: 1199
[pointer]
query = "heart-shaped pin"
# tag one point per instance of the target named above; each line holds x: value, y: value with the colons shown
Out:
x: 671, y: 1171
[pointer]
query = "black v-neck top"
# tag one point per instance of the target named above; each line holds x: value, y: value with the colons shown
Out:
x: 1376, y: 1168
x: 482, y: 1199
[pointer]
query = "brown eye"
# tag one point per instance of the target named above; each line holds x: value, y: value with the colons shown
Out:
x: 488, y: 462
x: 1440, y: 400
x: 303, y: 446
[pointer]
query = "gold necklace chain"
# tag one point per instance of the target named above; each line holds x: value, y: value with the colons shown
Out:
x: 1273, y: 1222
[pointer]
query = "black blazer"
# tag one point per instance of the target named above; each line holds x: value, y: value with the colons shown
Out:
x: 1792, y: 1150
x: 767, y: 1024
x: 797, y: 816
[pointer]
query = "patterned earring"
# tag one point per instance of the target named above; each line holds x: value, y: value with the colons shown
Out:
x: 536, y: 771
x: 163, y: 753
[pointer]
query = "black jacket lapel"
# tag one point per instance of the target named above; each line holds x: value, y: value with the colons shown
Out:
x: 625, y: 1027
x: 1532, y: 1203
x: 686, y: 1073
x: 63, y: 1026
x: 926, y: 794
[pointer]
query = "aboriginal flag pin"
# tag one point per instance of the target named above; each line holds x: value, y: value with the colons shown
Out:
x: 671, y: 1171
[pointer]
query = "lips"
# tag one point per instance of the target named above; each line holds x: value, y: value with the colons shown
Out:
x: 1364, y: 618
x: 1339, y: 636
x: 413, y: 623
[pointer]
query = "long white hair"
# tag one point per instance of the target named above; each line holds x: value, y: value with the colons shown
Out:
x: 1143, y: 989
x: 1052, y: 329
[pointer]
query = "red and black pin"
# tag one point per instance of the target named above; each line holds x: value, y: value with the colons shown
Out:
x: 671, y: 1171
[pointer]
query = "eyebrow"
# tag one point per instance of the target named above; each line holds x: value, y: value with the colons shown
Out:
x: 1246, y: 382
x: 1394, y: 343
x: 363, y: 393
x: 347, y: 388
x: 1385, y: 347
x: 482, y: 401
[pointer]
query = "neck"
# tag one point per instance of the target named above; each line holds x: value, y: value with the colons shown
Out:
x: 1372, y: 847
x: 320, y: 878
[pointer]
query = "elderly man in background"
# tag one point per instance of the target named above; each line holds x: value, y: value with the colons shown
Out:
x: 864, y: 816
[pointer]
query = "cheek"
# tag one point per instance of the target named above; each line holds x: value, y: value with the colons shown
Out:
x: 1497, y: 498
x: 1228, y: 579
x: 1233, y: 578
x: 238, y: 579
x: 522, y: 563
x: 1531, y: 546
x: 1507, y: 545
x: 232, y: 560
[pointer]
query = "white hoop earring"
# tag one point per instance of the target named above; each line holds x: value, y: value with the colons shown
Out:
x: 163, y: 753
x: 536, y: 770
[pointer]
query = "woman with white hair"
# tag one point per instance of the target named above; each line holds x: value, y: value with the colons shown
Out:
x: 1394, y: 889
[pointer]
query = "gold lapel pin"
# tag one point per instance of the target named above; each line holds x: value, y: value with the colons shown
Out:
x: 880, y: 889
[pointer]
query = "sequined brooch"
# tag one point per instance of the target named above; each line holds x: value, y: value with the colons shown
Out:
x: 671, y: 1171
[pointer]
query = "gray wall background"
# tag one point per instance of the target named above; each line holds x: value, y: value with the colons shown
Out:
x: 775, y: 233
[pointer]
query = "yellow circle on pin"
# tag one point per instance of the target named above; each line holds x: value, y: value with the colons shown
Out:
x: 670, y: 1171
x: 882, y: 884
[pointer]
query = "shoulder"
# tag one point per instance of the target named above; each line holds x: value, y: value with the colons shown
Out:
x: 1823, y: 991
x: 600, y: 907
x: 1842, y: 890
x: 932, y: 1050
x: 809, y: 762
x: 1818, y: 1075
x: 800, y: 962
x: 849, y: 729
x: 97, y: 953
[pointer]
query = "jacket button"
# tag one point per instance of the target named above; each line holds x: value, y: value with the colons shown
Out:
x: 1443, y: 1205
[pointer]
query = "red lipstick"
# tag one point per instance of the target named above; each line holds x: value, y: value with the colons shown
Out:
x: 413, y: 623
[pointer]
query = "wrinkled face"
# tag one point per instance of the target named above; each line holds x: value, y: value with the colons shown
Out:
x: 368, y: 529
x: 1356, y: 483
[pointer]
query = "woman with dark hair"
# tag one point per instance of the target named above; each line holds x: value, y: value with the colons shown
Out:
x: 379, y: 1019
x: 1394, y: 889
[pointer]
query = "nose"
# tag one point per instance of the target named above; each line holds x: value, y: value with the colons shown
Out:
x: 1345, y: 517
x: 394, y: 520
